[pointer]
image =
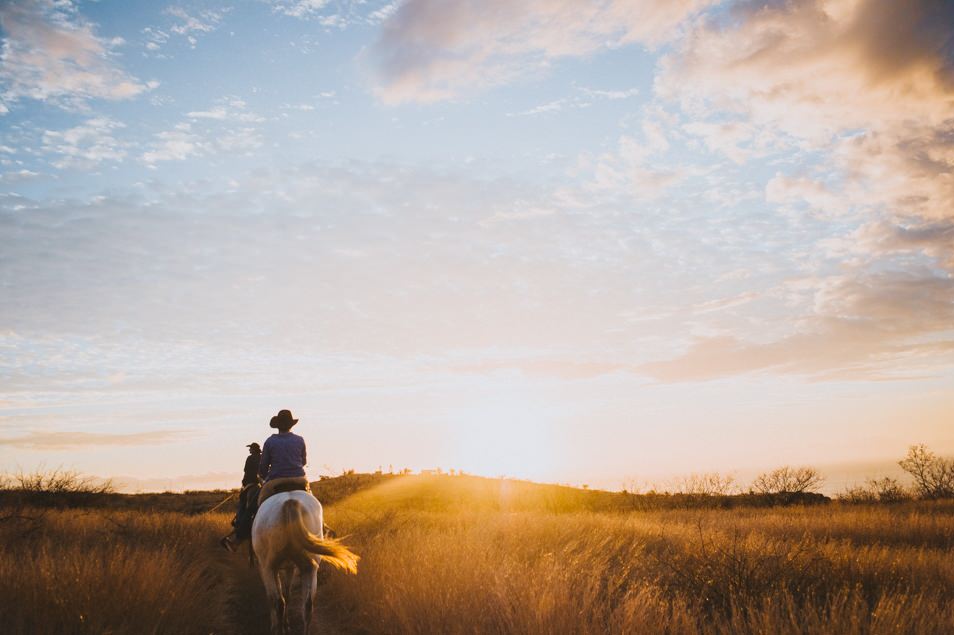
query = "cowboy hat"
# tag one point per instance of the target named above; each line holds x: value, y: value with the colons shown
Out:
x: 283, y: 420
x: 254, y: 447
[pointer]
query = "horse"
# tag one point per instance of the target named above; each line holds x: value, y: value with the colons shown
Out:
x: 288, y: 531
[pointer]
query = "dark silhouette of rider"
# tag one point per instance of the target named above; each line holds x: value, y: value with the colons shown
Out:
x: 248, y: 500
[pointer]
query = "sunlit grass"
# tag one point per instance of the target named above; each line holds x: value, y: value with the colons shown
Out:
x: 86, y: 571
x: 470, y: 555
x: 459, y: 563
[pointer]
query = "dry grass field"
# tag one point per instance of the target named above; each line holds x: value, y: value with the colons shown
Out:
x: 471, y: 555
x: 104, y: 571
x: 462, y: 562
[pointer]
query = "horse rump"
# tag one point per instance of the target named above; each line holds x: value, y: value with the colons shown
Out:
x: 328, y: 549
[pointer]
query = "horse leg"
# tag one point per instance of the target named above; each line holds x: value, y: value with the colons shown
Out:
x: 276, y: 600
x: 251, y: 555
x: 287, y: 579
x: 309, y: 585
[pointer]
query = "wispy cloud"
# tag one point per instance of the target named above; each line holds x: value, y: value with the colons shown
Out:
x: 336, y: 15
x: 174, y: 145
x: 85, y: 146
x: 72, y: 440
x: 584, y: 98
x: 633, y: 170
x: 190, y: 25
x: 228, y: 109
x: 51, y: 53
x: 431, y: 51
x: 861, y: 328
x: 299, y: 8
x: 17, y: 176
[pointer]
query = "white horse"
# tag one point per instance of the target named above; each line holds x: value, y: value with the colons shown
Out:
x: 288, y: 531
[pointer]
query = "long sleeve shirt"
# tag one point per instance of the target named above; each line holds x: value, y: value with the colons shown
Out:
x: 283, y: 455
x: 251, y: 469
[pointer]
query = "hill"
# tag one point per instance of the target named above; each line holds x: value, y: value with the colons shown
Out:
x: 465, y: 554
x: 422, y: 492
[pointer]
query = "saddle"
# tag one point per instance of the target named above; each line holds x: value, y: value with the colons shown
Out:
x: 286, y: 484
x: 291, y: 487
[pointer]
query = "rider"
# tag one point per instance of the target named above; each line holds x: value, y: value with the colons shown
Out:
x: 282, y: 467
x: 242, y: 522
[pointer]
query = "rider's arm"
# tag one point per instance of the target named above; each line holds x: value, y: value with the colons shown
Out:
x: 304, y: 456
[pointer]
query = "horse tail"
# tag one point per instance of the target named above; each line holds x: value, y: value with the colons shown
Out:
x: 328, y: 549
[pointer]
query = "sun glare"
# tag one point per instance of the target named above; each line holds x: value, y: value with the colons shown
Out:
x: 508, y: 435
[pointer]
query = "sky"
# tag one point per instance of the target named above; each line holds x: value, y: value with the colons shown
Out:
x: 600, y: 242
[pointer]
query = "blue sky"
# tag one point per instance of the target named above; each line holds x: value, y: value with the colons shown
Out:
x: 583, y: 242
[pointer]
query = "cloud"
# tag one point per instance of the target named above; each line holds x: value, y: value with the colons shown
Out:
x: 299, y: 8
x: 241, y: 140
x: 430, y: 50
x: 72, y: 440
x: 585, y: 98
x: 730, y: 138
x: 208, y: 133
x: 338, y: 15
x: 816, y: 195
x: 870, y: 83
x: 177, y: 144
x: 228, y: 109
x: 861, y: 328
x: 190, y: 25
x: 934, y: 239
x: 859, y: 95
x: 155, y: 39
x: 51, y: 53
x: 18, y: 176
x: 634, y: 171
x: 815, y: 69
x: 87, y: 145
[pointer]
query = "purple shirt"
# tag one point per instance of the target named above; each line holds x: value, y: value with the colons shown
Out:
x: 283, y: 454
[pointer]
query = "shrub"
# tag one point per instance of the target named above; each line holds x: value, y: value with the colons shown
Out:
x: 708, y: 484
x: 933, y: 475
x: 882, y: 490
x: 788, y: 480
x: 57, y: 481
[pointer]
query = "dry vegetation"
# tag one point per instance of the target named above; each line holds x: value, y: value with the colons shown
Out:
x: 459, y: 554
x: 93, y: 571
x: 464, y: 562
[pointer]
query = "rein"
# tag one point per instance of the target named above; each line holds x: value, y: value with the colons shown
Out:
x: 220, y: 503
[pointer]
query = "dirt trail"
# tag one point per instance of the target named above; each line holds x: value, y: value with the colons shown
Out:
x: 247, y: 607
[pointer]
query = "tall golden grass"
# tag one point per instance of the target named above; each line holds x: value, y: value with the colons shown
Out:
x: 470, y: 555
x: 458, y: 563
x: 91, y: 571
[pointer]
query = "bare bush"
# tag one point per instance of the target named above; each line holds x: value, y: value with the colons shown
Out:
x: 933, y: 474
x: 57, y: 481
x: 708, y: 484
x: 857, y: 494
x: 788, y: 480
x: 881, y: 490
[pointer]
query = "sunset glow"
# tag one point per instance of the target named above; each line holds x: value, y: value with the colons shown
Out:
x: 584, y: 242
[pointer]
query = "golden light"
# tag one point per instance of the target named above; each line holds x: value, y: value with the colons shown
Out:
x: 509, y: 434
